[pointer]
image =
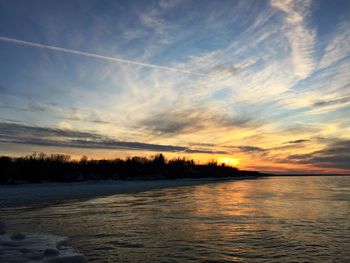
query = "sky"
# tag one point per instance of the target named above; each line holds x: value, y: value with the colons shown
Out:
x: 262, y: 85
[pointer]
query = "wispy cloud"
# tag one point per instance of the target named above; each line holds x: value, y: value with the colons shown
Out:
x: 246, y: 148
x: 338, y: 48
x: 60, y: 112
x: 335, y: 155
x: 58, y: 137
x: 11, y: 130
x: 167, y: 4
x: 297, y: 141
x: 195, y: 119
x: 93, y: 55
x: 301, y: 37
x: 43, y: 136
x: 331, y: 102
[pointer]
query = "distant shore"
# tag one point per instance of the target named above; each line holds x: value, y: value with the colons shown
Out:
x: 58, y: 168
x: 41, y: 178
x: 47, y: 193
x: 307, y: 174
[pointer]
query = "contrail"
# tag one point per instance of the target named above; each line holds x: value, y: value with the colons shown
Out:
x: 92, y: 55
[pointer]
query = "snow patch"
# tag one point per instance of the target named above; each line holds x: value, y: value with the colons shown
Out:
x: 36, y: 248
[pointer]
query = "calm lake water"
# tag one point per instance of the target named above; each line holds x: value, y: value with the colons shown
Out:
x: 274, y: 219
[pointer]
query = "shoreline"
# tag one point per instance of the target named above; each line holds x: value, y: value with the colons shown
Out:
x: 13, y: 196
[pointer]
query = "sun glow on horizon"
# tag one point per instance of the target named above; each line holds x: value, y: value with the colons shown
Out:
x: 229, y: 161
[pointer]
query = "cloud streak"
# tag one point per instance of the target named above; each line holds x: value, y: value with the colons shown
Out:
x: 332, y: 102
x: 335, y: 155
x: 301, y: 38
x: 43, y: 136
x: 93, y: 55
x: 181, y: 121
x: 297, y: 141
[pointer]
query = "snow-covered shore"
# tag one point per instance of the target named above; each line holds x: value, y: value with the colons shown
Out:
x: 45, y: 193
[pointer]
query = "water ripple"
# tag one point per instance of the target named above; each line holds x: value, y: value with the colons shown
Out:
x: 277, y: 219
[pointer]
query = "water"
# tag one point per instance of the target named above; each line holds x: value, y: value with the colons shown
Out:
x: 274, y: 219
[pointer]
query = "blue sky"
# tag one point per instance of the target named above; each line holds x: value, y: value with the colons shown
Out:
x: 264, y: 84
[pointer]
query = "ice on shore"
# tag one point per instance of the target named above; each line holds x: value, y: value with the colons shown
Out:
x: 36, y: 248
x: 30, y: 194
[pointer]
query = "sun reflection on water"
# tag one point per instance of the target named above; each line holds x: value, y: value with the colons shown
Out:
x: 284, y: 219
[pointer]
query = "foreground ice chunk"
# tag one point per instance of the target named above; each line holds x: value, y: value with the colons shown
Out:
x: 2, y: 228
x: 37, y: 248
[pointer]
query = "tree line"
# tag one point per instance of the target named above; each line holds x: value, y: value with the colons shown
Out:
x: 40, y: 167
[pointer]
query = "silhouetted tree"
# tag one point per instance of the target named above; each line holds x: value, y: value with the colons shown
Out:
x: 159, y: 160
x: 39, y: 167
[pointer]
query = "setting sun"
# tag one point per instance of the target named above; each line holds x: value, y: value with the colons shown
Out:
x: 229, y: 161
